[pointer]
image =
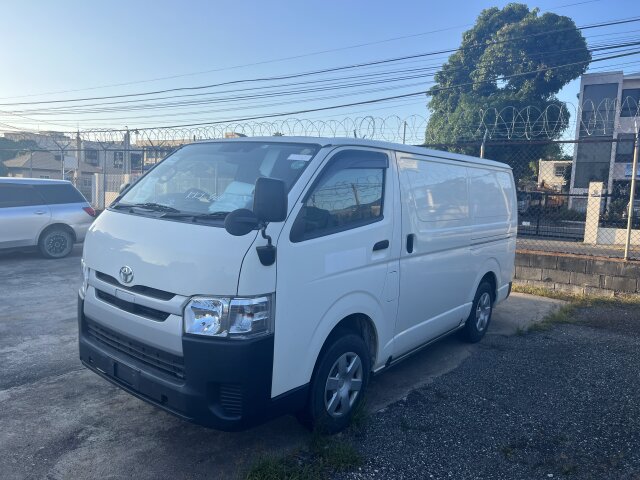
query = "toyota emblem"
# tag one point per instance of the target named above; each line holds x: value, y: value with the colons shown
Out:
x: 126, y: 274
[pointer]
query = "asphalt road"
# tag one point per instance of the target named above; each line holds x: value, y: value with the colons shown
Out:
x: 60, y: 421
x: 557, y: 404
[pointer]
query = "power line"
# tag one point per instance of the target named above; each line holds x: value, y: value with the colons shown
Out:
x: 359, y: 80
x: 392, y: 39
x: 367, y: 102
x: 316, y: 72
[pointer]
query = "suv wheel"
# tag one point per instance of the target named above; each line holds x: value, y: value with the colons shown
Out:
x: 478, y: 322
x: 56, y: 242
x: 337, y: 387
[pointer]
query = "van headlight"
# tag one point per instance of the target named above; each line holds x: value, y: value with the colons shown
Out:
x: 85, y: 277
x: 244, y: 317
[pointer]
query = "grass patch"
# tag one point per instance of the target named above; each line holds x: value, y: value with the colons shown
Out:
x: 567, y: 313
x: 322, y: 456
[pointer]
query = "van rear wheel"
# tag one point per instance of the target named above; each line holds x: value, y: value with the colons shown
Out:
x: 478, y: 322
x: 338, y: 385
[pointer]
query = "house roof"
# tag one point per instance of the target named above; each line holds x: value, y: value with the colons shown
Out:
x: 44, y: 161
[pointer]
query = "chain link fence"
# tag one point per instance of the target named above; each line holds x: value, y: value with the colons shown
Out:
x: 574, y: 196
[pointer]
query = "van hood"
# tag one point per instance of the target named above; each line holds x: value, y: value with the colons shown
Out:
x: 177, y: 257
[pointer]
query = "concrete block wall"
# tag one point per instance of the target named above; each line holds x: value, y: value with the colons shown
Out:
x: 577, y: 274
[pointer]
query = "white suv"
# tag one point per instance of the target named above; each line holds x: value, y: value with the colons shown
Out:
x: 49, y: 214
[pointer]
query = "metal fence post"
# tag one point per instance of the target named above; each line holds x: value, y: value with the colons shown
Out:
x: 484, y: 140
x: 632, y: 195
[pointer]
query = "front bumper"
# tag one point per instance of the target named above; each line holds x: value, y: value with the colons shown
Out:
x: 217, y: 383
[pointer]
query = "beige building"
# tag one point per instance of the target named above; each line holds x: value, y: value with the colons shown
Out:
x: 552, y: 174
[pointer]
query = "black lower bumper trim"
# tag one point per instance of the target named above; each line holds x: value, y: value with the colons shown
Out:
x: 226, y: 384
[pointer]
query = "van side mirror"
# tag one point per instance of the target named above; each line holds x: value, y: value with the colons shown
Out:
x: 270, y: 200
x: 240, y: 222
x: 123, y: 187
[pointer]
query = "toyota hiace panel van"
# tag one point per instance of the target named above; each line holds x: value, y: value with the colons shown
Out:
x: 246, y: 278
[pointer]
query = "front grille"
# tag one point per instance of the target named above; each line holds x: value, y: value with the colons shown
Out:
x: 231, y: 399
x: 141, y: 289
x: 136, y: 309
x: 165, y: 362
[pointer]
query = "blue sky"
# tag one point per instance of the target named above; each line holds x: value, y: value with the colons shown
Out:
x: 79, y: 45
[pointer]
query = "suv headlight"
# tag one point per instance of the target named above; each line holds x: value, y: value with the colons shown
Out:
x: 228, y: 317
x: 85, y: 277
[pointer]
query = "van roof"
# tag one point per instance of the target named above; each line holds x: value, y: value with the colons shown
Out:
x: 32, y: 181
x: 360, y: 142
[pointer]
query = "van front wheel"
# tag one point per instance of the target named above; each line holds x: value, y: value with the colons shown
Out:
x: 337, y: 388
x: 478, y: 322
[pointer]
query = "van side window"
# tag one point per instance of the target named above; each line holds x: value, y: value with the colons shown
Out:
x: 348, y: 194
x: 493, y: 192
x: 18, y: 196
x: 439, y: 190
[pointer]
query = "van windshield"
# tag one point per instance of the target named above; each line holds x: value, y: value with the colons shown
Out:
x: 216, y: 178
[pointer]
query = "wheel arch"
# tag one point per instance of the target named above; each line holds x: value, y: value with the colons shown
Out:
x: 360, y: 319
x: 490, y: 272
x: 52, y: 226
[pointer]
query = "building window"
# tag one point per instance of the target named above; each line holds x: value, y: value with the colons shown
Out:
x: 86, y: 182
x: 630, y: 102
x: 91, y: 156
x: 45, y: 176
x: 136, y: 161
x: 598, y: 109
x: 118, y: 159
x: 57, y: 158
x: 624, y: 148
x: 558, y: 170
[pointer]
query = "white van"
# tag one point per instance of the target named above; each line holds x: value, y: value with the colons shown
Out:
x: 246, y: 278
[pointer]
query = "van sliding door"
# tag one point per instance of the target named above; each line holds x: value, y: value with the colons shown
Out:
x: 435, y: 271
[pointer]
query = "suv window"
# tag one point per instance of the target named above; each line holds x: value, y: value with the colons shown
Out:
x: 12, y: 195
x: 61, y: 193
x: 348, y: 194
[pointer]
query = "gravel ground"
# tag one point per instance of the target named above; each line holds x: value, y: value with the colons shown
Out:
x: 562, y: 403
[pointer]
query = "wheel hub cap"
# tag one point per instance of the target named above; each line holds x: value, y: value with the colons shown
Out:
x: 343, y: 384
x: 483, y: 311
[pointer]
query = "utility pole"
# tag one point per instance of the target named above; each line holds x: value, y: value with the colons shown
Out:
x: 634, y: 174
x: 78, y: 172
x: 127, y: 152
x: 404, y: 132
x: 484, y: 139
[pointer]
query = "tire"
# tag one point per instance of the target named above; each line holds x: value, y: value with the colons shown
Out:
x: 480, y: 317
x: 336, y: 392
x: 57, y: 242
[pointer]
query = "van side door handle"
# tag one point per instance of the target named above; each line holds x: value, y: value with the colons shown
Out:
x: 39, y: 212
x: 381, y: 245
x: 410, y: 239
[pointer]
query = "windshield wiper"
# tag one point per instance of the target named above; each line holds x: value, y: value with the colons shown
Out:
x: 158, y: 207
x: 150, y: 206
x: 196, y: 217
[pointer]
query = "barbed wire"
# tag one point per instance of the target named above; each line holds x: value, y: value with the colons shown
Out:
x: 510, y: 123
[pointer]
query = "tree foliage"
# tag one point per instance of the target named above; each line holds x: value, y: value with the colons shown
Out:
x: 10, y: 149
x: 512, y: 57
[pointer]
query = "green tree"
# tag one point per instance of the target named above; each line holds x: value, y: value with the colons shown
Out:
x: 512, y: 59
x: 10, y: 149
